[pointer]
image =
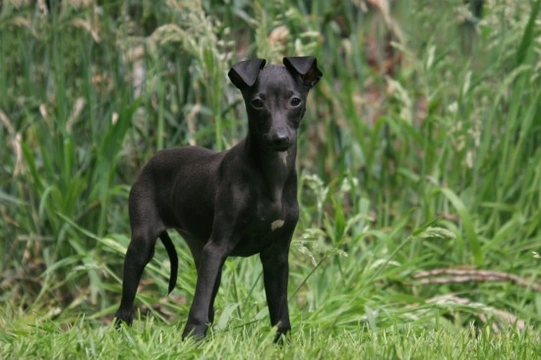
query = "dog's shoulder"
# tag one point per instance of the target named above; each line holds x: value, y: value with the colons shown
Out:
x: 185, y: 151
x: 186, y: 154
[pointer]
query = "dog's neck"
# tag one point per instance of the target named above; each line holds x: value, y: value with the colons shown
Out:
x: 275, y: 167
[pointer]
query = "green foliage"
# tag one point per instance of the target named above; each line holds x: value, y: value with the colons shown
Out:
x: 433, y: 165
x: 150, y: 339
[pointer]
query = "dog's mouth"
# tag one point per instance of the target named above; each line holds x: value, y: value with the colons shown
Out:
x: 280, y: 147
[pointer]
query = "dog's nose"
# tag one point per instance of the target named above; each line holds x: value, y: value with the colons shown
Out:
x: 280, y: 138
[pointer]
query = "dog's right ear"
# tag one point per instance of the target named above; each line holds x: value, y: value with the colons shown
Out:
x: 305, y: 67
x: 244, y: 74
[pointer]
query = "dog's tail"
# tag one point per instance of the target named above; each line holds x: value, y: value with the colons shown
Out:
x: 173, y: 259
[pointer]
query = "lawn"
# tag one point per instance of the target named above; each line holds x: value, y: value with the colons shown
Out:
x: 151, y: 340
x: 419, y: 175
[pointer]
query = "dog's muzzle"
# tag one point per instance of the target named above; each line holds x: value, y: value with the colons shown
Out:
x: 280, y: 140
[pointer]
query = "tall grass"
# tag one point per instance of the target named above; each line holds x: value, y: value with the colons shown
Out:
x: 434, y: 166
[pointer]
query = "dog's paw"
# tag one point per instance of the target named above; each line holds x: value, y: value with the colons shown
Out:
x: 195, y: 332
x: 123, y: 317
x: 282, y: 336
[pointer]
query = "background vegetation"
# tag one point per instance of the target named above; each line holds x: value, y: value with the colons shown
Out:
x: 419, y: 164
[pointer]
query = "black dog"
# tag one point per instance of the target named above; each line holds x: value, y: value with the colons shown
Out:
x: 239, y: 202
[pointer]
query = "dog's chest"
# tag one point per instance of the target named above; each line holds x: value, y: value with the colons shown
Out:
x: 261, y: 225
x: 269, y: 215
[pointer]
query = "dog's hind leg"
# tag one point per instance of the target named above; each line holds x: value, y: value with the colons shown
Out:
x: 140, y: 252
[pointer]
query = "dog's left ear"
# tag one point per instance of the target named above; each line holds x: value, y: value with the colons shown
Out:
x: 244, y: 74
x: 305, y: 67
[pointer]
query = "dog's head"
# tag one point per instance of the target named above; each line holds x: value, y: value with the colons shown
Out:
x: 275, y: 97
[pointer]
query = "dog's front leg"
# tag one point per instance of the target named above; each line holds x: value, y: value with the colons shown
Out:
x: 208, y: 273
x: 214, y: 292
x: 275, y: 276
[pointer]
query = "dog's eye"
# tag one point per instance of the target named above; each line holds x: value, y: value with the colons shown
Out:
x: 257, y: 103
x: 295, y: 101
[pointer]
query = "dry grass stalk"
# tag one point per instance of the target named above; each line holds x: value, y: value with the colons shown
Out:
x: 486, y: 313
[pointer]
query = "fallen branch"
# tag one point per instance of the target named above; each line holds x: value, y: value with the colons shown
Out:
x: 448, y: 276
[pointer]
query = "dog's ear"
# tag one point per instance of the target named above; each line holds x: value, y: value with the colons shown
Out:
x: 244, y: 74
x: 305, y: 67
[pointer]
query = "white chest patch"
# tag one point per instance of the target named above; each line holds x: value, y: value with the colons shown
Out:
x: 276, y: 224
x: 283, y: 156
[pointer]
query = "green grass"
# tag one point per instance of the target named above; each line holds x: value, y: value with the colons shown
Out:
x: 420, y: 226
x: 150, y: 339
